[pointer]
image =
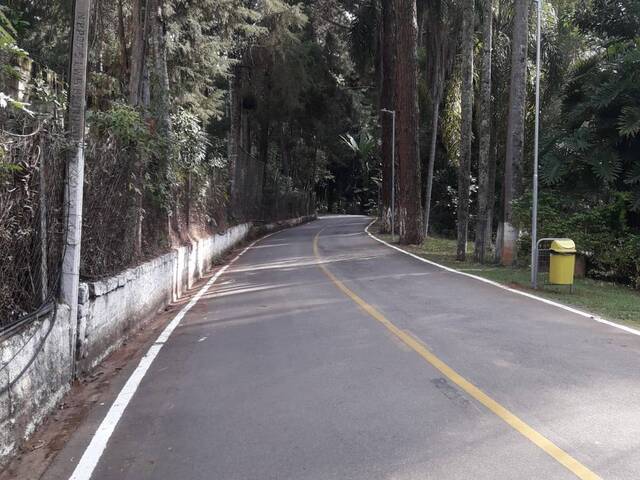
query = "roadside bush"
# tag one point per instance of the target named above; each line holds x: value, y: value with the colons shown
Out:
x: 601, y: 231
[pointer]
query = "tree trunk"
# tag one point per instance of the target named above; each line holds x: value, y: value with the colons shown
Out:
x: 515, y: 125
x: 138, y: 44
x: 235, y: 117
x: 432, y: 160
x: 386, y: 102
x: 438, y: 41
x: 484, y: 133
x: 406, y: 104
x: 122, y: 37
x: 491, y: 192
x: 139, y: 22
x: 161, y: 96
x: 160, y: 83
x: 244, y: 167
x: 466, y: 129
x: 263, y: 159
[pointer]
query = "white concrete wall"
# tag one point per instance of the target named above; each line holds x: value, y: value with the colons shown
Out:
x: 35, y: 373
x: 111, y: 309
x: 36, y: 363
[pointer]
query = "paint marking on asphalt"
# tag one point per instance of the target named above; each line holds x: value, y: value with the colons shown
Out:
x: 582, y: 313
x: 562, y: 457
x: 98, y: 444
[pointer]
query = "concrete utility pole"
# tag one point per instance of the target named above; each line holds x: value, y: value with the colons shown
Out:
x: 75, y: 164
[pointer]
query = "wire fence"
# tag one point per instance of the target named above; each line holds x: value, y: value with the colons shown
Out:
x: 31, y: 219
x: 125, y: 220
x: 141, y: 197
x: 113, y: 210
x: 130, y: 214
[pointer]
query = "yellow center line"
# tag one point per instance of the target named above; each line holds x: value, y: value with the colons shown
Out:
x: 562, y: 457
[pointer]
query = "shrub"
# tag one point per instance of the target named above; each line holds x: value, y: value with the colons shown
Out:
x: 600, y: 229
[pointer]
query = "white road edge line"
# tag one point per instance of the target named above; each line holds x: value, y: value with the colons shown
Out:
x: 98, y: 444
x: 633, y: 331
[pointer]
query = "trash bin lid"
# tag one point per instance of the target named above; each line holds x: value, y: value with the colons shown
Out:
x: 563, y: 245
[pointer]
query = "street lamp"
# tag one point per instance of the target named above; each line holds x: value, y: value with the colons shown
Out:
x: 393, y: 171
x: 534, y: 202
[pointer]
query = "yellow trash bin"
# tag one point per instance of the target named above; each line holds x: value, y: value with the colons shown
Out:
x: 562, y: 262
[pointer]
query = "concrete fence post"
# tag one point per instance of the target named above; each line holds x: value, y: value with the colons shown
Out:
x: 75, y: 166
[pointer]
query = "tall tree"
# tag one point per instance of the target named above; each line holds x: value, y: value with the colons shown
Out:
x: 515, y: 126
x: 466, y: 128
x: 406, y: 104
x: 235, y: 137
x: 387, y: 74
x: 137, y: 73
x: 139, y: 15
x: 440, y: 28
x: 483, y: 231
x: 160, y: 78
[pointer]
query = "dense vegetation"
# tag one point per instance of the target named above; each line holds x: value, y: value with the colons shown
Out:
x: 209, y: 112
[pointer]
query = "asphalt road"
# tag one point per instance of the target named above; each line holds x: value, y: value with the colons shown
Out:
x: 353, y: 361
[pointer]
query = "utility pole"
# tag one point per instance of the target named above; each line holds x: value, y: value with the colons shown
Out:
x: 393, y: 172
x: 534, y: 201
x: 75, y: 165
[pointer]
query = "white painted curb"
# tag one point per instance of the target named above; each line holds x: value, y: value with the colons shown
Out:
x: 633, y: 331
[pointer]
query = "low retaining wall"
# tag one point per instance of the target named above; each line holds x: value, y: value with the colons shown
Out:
x: 35, y: 374
x: 112, y: 308
x: 264, y: 228
x: 36, y: 363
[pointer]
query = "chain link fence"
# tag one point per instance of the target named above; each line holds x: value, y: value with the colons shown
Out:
x: 32, y: 172
x: 140, y: 200
x: 142, y: 196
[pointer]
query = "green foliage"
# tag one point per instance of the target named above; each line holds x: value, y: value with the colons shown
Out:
x: 42, y: 28
x: 189, y: 145
x: 600, y: 229
x: 363, y: 36
x: 10, y: 55
x: 364, y: 147
x: 592, y: 146
x: 610, y: 20
x: 7, y: 31
x: 206, y: 38
x: 598, y: 142
x: 124, y: 124
x: 629, y: 121
x: 202, y: 39
x: 369, y: 169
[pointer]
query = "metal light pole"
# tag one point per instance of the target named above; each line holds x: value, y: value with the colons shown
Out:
x: 393, y: 172
x: 534, y: 203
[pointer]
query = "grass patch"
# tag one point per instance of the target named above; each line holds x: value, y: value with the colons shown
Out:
x: 609, y: 300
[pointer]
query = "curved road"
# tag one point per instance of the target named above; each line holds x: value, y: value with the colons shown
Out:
x: 322, y: 354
